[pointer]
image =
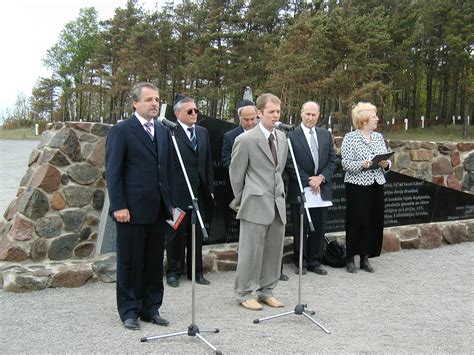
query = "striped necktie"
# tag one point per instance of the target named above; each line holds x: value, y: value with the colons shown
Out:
x: 148, y: 126
x: 192, y: 138
x: 271, y: 143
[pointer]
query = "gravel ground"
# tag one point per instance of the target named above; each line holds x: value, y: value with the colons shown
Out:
x: 418, y: 301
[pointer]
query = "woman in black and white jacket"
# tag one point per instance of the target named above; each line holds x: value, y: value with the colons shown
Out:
x: 364, y: 187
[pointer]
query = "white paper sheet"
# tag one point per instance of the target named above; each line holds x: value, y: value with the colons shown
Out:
x: 314, y: 200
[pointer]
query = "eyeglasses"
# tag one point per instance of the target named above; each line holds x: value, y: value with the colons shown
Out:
x: 193, y: 110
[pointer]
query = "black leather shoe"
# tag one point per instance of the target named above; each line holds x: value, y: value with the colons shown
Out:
x: 156, y: 319
x: 172, y: 281
x: 318, y: 270
x: 350, y: 266
x: 283, y: 277
x: 365, y: 265
x: 201, y: 280
x: 131, y: 324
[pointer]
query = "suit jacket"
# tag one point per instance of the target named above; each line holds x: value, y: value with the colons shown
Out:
x: 198, y: 164
x: 304, y: 160
x: 229, y: 138
x: 138, y: 170
x: 256, y: 182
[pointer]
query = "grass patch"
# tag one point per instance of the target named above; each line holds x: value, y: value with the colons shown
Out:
x: 23, y: 133
x: 437, y: 133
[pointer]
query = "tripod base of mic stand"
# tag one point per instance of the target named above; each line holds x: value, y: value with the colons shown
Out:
x: 192, y: 331
x: 299, y: 310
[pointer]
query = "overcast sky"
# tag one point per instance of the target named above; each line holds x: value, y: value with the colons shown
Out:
x: 28, y: 28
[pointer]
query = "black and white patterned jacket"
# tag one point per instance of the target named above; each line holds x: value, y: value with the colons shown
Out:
x: 354, y: 150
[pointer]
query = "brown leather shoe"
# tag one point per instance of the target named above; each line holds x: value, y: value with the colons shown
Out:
x: 273, y: 302
x: 254, y: 305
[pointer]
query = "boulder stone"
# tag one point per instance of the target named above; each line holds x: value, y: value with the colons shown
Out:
x: 454, y: 233
x: 11, y: 252
x: 26, y: 178
x: 49, y: 227
x: 468, y: 181
x: 84, y: 250
x: 410, y: 243
x: 47, y: 177
x: 459, y: 172
x: 223, y: 265
x: 391, y: 242
x: 442, y: 166
x: 83, y: 173
x: 421, y: 155
x: 34, y: 156
x: 106, y: 268
x: 100, y: 129
x: 403, y: 161
x: 98, y: 199
x: 75, y: 275
x: 18, y: 281
x: 470, y: 232
x: 412, y: 145
x: 54, y: 157
x: 97, y: 155
x: 396, y: 143
x: 66, y: 140
x: 89, y: 138
x: 446, y: 147
x: 407, y: 232
x: 438, y: 180
x: 39, y: 249
x: 58, y: 201
x: 428, y: 145
x: 455, y: 159
x: 22, y: 229
x: 11, y: 209
x: 65, y: 179
x: 85, y: 233
x: 208, y: 263
x: 33, y: 203
x: 465, y: 147
x: 469, y: 163
x: 46, y: 138
x: 431, y: 236
x: 424, y: 171
x: 73, y: 219
x: 62, y: 247
x: 78, y: 196
x: 92, y: 220
x: 82, y: 126
x: 227, y: 255
x: 453, y: 183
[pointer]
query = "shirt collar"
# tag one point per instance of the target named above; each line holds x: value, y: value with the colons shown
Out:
x: 142, y: 120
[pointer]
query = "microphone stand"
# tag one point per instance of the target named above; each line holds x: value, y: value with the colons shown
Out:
x: 193, y: 329
x: 300, y: 308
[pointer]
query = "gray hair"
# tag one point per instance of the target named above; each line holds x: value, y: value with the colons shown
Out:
x: 177, y: 106
x: 312, y: 102
x: 136, y: 91
x: 239, y: 110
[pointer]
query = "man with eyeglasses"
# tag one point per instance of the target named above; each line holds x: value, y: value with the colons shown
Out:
x: 195, y: 150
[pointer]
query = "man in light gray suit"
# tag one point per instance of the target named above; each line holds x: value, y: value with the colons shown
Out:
x: 258, y: 160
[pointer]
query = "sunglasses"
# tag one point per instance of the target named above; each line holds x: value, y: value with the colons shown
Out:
x: 193, y: 110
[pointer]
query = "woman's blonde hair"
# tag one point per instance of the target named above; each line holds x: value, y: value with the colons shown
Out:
x: 361, y: 113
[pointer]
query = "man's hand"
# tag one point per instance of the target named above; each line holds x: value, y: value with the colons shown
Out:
x: 122, y: 216
x: 315, y: 183
x: 383, y: 164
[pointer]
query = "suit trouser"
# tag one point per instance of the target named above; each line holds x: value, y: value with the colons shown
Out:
x: 313, y: 242
x: 176, y: 242
x: 259, y: 260
x: 139, y: 286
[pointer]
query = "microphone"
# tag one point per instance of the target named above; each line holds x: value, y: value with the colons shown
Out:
x: 283, y: 126
x: 171, y: 125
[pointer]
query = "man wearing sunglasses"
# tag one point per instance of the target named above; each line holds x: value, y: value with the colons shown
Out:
x: 195, y: 150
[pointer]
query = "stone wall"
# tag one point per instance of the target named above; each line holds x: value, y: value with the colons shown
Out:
x: 49, y: 231
x: 56, y: 212
x: 448, y: 164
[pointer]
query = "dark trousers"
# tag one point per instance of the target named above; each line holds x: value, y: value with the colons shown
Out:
x: 313, y: 242
x: 364, y: 219
x: 140, y: 249
x: 176, y: 243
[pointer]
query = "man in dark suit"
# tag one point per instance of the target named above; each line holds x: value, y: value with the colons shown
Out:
x: 247, y: 113
x: 314, y: 153
x: 138, y: 162
x: 195, y: 150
